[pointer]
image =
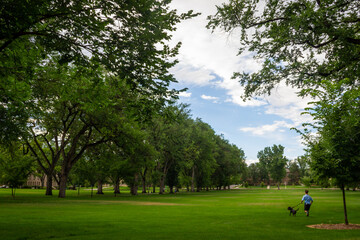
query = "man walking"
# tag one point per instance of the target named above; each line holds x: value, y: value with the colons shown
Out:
x: 308, y: 201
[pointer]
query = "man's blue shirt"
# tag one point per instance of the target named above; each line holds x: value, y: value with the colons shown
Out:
x: 307, y: 199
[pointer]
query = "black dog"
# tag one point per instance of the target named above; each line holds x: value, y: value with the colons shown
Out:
x: 292, y: 211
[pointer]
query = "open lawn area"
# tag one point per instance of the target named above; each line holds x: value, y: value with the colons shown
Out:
x: 236, y: 214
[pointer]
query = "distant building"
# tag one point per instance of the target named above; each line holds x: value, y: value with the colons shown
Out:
x: 35, y: 181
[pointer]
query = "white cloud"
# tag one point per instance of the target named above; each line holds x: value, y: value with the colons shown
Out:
x: 185, y: 94
x: 267, y: 128
x: 250, y: 161
x: 285, y: 103
x: 191, y: 75
x: 209, y: 97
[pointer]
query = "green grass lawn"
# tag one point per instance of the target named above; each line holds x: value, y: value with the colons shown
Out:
x: 237, y: 214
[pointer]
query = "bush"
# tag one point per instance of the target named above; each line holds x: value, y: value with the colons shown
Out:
x: 306, y: 181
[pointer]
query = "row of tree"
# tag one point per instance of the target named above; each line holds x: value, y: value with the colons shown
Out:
x: 85, y: 91
x: 181, y: 153
x: 274, y: 167
x: 172, y: 150
x: 79, y: 74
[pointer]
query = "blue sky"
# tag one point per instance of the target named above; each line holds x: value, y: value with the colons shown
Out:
x: 206, y: 63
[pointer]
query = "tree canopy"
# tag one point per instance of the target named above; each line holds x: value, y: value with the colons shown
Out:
x: 299, y: 42
x: 127, y: 38
x: 274, y: 161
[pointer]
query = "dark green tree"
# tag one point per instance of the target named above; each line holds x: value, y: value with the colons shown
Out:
x: 303, y: 163
x: 275, y: 161
x: 230, y: 163
x: 335, y: 152
x: 204, y: 166
x: 15, y: 165
x: 254, y: 173
x: 167, y: 136
x: 86, y: 170
x: 294, y: 172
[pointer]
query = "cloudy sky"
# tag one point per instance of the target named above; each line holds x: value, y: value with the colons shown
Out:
x: 206, y: 63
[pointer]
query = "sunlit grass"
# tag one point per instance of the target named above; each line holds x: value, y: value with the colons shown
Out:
x: 237, y: 214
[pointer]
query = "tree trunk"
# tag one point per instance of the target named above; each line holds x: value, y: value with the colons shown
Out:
x: 100, y: 187
x: 42, y: 180
x: 143, y: 178
x: 117, y: 187
x: 134, y: 186
x: 154, y: 188
x: 171, y: 189
x: 62, y: 186
x: 134, y: 189
x: 193, y: 179
x: 278, y: 185
x: 162, y: 184
x: 344, y: 201
x: 48, y: 185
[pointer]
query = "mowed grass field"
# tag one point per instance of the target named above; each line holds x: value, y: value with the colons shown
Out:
x: 236, y: 214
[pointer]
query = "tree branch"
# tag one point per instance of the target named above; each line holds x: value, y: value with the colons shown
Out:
x: 266, y: 21
x: 20, y: 34
x: 80, y: 153
x: 353, y: 40
x: 49, y: 145
x: 321, y: 44
x: 36, y: 156
x: 40, y: 148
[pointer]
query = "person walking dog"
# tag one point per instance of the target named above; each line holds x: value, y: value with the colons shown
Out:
x: 308, y: 201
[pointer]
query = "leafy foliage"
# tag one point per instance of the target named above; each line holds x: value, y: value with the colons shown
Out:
x: 274, y: 161
x: 299, y: 42
x: 335, y: 152
x: 15, y: 166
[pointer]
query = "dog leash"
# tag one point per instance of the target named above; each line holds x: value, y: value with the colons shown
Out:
x: 296, y: 205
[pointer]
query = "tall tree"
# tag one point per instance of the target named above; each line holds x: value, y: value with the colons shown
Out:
x: 167, y: 136
x: 74, y: 108
x: 204, y: 166
x: 230, y: 162
x: 275, y: 161
x: 335, y: 152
